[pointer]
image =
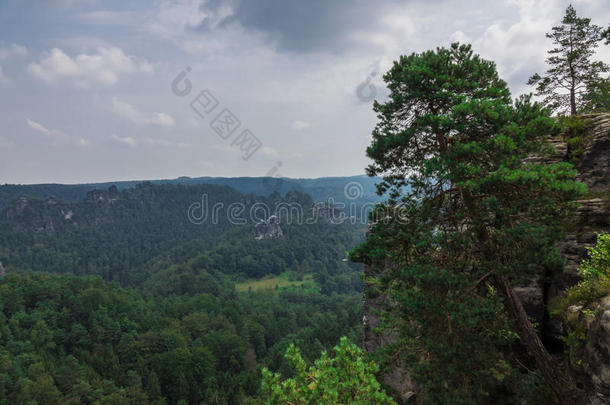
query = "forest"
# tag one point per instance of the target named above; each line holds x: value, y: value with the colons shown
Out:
x: 127, y: 301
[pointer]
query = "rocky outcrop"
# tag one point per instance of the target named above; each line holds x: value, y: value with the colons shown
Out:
x: 593, y: 215
x: 268, y: 229
x: 532, y: 298
x: 597, y: 354
x: 98, y: 195
x: 594, y: 167
x: 21, y: 204
x: 589, y: 353
x: 328, y: 213
x: 374, y: 302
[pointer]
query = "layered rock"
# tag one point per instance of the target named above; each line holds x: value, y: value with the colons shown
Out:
x: 593, y: 215
x: 594, y: 167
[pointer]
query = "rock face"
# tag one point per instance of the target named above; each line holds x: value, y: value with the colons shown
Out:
x: 373, y: 303
x: 97, y: 195
x: 597, y: 354
x: 328, y: 213
x: 532, y: 298
x: 593, y: 215
x: 594, y: 166
x: 268, y: 229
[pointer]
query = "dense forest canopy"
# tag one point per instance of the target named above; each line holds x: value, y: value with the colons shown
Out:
x: 153, y: 314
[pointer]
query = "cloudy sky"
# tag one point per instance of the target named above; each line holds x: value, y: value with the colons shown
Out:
x: 90, y: 90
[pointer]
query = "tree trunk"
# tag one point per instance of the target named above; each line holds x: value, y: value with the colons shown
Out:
x: 572, y: 78
x: 551, y: 371
x: 561, y: 386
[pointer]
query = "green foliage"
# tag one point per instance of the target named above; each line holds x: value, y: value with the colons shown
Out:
x: 69, y: 339
x: 177, y: 330
x: 572, y: 74
x: 576, y: 137
x: 596, y: 279
x: 597, y: 266
x: 474, y: 211
x: 595, y: 285
x: 597, y: 97
x: 344, y: 379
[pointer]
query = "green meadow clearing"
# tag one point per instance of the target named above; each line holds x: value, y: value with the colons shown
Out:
x: 282, y: 281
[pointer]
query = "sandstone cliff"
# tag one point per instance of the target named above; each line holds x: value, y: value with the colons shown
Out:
x: 268, y: 229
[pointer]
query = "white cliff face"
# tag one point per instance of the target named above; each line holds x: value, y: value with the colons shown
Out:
x: 268, y: 229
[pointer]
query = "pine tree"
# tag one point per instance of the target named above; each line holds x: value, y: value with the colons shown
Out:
x: 572, y: 73
x: 475, y: 217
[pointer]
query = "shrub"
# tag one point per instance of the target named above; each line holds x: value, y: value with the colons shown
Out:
x: 345, y: 379
x: 596, y: 279
x: 575, y: 135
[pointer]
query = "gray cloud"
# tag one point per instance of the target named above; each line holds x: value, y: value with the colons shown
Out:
x: 300, y: 26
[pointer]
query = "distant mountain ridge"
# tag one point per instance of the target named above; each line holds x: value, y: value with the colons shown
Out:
x: 360, y: 189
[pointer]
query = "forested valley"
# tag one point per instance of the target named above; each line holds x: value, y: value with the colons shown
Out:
x: 120, y: 298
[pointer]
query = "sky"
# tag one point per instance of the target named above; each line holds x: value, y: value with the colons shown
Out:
x: 107, y: 90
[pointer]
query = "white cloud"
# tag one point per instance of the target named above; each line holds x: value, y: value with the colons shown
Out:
x: 125, y: 110
x: 270, y: 152
x: 56, y: 135
x: 104, y: 67
x: 125, y: 141
x: 3, y: 78
x: 166, y: 143
x: 130, y: 142
x: 298, y: 125
x: 162, y: 119
x: 129, y: 112
x: 9, y: 51
x: 519, y: 49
